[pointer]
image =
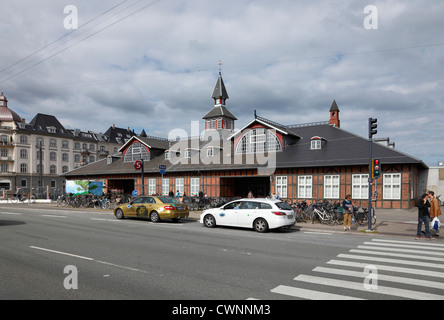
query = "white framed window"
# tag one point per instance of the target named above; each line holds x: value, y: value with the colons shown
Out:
x: 391, y: 186
x: 194, y: 186
x: 165, y: 186
x: 331, y: 187
x: 281, y: 186
x: 167, y: 154
x: 305, y: 187
x: 23, y: 154
x: 316, y: 144
x: 52, y: 129
x: 136, y: 151
x: 151, y: 186
x: 179, y: 186
x: 210, y: 151
x: 187, y: 153
x: 360, y: 186
x: 23, y: 168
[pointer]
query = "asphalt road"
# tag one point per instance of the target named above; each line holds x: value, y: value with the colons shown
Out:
x: 53, y: 253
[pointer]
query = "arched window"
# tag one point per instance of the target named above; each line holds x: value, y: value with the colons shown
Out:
x: 136, y: 151
x: 258, y: 140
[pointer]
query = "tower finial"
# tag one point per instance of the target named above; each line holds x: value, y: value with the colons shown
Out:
x: 220, y: 66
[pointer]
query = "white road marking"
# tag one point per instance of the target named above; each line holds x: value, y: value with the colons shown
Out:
x: 310, y: 294
x: 52, y: 216
x: 411, y: 294
x: 90, y: 259
x: 62, y: 253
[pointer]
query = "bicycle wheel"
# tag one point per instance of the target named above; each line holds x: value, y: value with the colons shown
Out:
x: 331, y: 219
x: 361, y: 219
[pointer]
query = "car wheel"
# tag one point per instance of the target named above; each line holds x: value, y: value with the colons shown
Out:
x: 260, y: 225
x: 154, y: 216
x: 119, y: 214
x: 209, y: 221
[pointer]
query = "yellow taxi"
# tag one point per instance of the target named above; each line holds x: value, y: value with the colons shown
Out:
x: 155, y: 208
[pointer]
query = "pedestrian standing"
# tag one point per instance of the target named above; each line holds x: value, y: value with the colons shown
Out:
x: 423, y: 217
x: 347, y: 209
x: 250, y: 195
x: 435, y: 210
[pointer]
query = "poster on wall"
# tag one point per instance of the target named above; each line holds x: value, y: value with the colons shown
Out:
x: 84, y: 187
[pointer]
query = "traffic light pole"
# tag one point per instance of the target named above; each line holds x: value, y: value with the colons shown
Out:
x: 370, y: 183
x: 371, y: 131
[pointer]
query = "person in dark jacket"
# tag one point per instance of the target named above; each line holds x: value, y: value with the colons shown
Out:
x: 423, y: 216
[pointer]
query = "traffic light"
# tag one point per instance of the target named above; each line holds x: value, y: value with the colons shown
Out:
x: 376, y: 169
x: 372, y: 127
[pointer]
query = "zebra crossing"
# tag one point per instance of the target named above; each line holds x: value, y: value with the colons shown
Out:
x: 377, y: 269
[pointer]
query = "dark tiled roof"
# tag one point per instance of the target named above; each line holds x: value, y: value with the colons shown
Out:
x: 340, y: 148
x: 42, y: 122
x: 219, y: 111
x: 219, y: 89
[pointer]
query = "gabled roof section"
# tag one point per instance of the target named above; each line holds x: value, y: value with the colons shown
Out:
x: 149, y: 142
x: 268, y: 123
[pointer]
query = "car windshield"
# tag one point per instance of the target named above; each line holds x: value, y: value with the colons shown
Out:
x: 283, y: 206
x: 168, y: 199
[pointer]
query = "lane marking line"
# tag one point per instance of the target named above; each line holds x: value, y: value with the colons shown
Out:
x: 63, y: 253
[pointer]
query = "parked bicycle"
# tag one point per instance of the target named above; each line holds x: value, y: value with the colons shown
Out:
x: 324, y: 216
x: 360, y: 216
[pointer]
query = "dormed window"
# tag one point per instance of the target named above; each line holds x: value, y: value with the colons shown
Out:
x: 187, y: 153
x: 258, y: 140
x: 317, y: 143
x: 136, y: 151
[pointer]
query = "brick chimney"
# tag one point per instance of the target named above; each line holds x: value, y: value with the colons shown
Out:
x: 334, y: 115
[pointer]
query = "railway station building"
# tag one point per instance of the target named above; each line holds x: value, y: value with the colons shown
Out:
x: 310, y: 161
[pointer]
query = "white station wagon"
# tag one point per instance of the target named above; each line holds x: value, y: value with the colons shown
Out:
x: 259, y: 214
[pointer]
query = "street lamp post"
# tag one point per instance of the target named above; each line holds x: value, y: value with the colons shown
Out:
x: 40, y: 184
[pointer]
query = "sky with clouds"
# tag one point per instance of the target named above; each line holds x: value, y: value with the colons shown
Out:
x: 153, y: 64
